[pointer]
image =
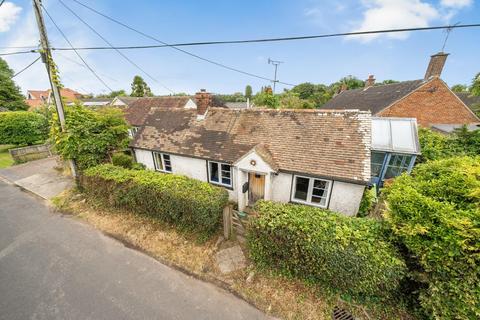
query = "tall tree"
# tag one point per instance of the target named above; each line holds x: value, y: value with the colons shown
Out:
x: 475, y: 87
x: 248, y: 92
x: 140, y: 88
x: 10, y: 96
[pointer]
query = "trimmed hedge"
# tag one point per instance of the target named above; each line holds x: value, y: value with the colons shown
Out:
x: 22, y: 128
x: 349, y: 255
x: 435, y: 213
x: 122, y: 160
x: 187, y: 203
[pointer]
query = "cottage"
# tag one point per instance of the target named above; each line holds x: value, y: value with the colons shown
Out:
x: 37, y: 98
x: 314, y: 157
x: 429, y: 100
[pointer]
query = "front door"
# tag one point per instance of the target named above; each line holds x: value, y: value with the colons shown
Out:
x: 256, y: 187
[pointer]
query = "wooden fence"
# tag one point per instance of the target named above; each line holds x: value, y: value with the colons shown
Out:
x: 29, y: 153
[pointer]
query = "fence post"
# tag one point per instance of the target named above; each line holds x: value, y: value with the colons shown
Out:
x: 227, y: 221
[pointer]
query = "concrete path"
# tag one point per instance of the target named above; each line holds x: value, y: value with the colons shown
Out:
x: 54, y: 267
x: 39, y: 177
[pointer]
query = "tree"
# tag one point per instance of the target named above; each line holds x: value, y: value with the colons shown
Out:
x: 389, y: 81
x: 10, y: 96
x: 266, y: 98
x: 291, y: 100
x: 91, y: 134
x: 459, y: 88
x: 140, y: 88
x: 22, y: 128
x: 248, y: 92
x: 315, y: 93
x: 475, y: 87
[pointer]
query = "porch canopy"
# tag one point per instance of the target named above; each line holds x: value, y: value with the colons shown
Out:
x: 395, y: 135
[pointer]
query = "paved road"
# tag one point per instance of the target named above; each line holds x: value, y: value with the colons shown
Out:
x: 54, y: 267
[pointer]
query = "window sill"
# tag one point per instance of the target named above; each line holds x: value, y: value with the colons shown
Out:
x: 308, y: 203
x: 221, y: 185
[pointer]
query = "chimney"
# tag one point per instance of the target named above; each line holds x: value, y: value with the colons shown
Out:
x: 203, y: 99
x: 370, y: 81
x: 435, y: 67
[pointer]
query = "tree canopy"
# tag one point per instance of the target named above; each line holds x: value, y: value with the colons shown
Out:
x: 140, y: 88
x: 10, y: 96
x: 91, y: 134
x: 475, y: 87
x: 248, y: 92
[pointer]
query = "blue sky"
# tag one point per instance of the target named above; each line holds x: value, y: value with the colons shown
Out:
x: 398, y: 56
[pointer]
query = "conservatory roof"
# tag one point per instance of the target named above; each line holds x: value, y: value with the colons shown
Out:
x: 398, y: 135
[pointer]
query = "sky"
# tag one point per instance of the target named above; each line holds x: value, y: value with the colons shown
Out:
x: 399, y: 56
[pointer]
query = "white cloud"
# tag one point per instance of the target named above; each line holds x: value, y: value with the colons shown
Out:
x: 9, y: 13
x: 456, y: 3
x: 394, y: 14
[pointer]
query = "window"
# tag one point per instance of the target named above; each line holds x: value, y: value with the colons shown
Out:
x: 377, y: 163
x: 162, y: 162
x: 311, y: 191
x: 397, y: 164
x: 220, y: 173
x: 132, y: 131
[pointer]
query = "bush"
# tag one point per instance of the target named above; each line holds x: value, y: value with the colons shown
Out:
x: 122, y: 160
x: 369, y: 199
x: 435, y: 213
x: 90, y: 135
x: 350, y: 255
x: 22, y: 128
x: 189, y: 204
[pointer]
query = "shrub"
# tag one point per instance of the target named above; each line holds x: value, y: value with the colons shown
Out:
x: 22, y: 128
x: 435, y: 213
x: 369, y: 199
x: 189, y: 204
x: 350, y: 255
x: 122, y: 160
x: 91, y: 135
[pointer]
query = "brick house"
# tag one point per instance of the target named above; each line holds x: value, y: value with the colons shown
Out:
x: 37, y: 98
x: 429, y: 100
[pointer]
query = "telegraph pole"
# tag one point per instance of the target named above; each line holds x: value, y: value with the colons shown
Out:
x: 47, y: 59
x: 275, y: 64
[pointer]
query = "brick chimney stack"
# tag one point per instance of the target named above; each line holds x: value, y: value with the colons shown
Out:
x: 203, y: 99
x: 370, y: 81
x: 435, y: 67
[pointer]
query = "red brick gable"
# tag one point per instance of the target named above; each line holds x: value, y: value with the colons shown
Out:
x: 432, y: 103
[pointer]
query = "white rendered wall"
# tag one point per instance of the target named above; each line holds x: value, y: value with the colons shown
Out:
x: 190, y: 167
x: 145, y: 157
x: 281, y: 187
x: 346, y: 197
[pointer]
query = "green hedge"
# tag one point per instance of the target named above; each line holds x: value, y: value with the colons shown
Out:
x: 22, y: 128
x: 435, y: 213
x: 189, y: 204
x: 350, y: 255
x: 122, y: 160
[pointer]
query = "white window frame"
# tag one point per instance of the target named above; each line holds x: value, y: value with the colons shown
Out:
x: 162, y: 159
x: 220, y: 174
x: 133, y: 131
x: 310, y: 191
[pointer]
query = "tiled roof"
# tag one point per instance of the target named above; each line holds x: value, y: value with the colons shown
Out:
x: 375, y: 98
x: 137, y: 110
x: 324, y: 143
x: 468, y: 99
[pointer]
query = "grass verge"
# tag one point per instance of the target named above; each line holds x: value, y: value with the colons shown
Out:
x: 273, y: 294
x: 5, y: 158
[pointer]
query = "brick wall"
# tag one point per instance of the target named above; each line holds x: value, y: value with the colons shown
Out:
x: 432, y: 103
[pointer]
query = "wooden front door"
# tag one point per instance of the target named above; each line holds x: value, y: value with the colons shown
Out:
x: 256, y: 187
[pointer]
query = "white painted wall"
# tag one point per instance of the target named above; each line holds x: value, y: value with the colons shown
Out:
x: 190, y: 104
x: 281, y: 185
x: 145, y: 157
x: 190, y: 167
x: 260, y: 166
x: 346, y: 197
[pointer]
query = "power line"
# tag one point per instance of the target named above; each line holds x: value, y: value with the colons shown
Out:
x: 111, y: 46
x: 2, y: 2
x: 18, y: 52
x: 331, y: 35
x: 28, y: 66
x: 76, y: 52
x: 175, y: 48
